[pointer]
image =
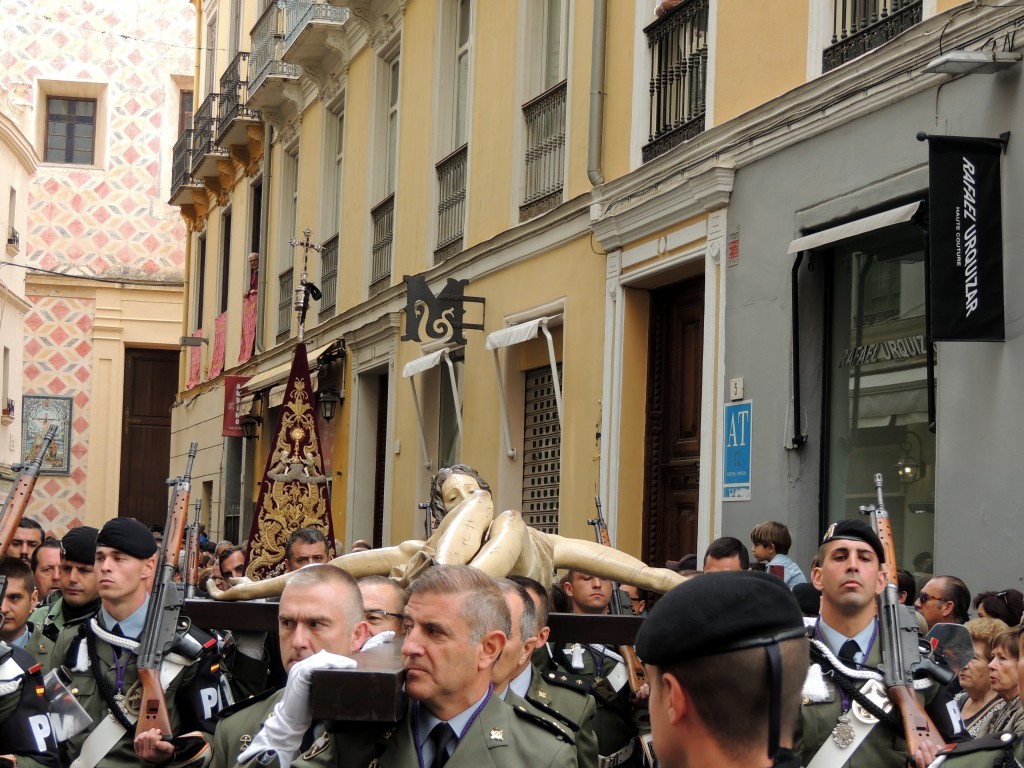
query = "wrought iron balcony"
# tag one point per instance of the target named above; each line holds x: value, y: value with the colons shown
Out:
x: 451, y: 204
x: 859, y: 26
x: 678, y: 43
x: 235, y: 114
x: 205, y: 151
x: 267, y: 72
x: 308, y: 24
x: 181, y: 170
x: 545, y: 152
x: 13, y: 241
x: 383, y: 216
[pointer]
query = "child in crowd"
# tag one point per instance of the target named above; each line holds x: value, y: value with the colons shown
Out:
x: 771, y: 542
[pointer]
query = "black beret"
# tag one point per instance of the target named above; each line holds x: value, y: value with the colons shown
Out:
x: 718, y: 613
x: 127, y: 535
x: 79, y: 544
x: 856, y: 530
x: 808, y: 597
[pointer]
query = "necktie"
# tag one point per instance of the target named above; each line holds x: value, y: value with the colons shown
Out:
x: 441, y: 735
x: 848, y: 652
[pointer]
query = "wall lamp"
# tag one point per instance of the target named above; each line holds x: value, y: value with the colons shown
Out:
x: 192, y: 341
x: 328, y: 402
x: 909, y: 469
x: 973, y: 62
x: 251, y: 422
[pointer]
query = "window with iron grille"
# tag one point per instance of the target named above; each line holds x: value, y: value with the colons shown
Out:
x: 70, y: 130
x: 284, y: 304
x: 200, y: 282
x: 329, y: 277
x: 542, y: 451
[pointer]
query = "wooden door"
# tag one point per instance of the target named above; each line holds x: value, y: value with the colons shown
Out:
x: 150, y: 382
x: 380, y: 458
x: 672, y: 461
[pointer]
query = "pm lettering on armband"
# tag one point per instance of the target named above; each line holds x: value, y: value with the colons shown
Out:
x: 39, y: 725
x: 210, y: 698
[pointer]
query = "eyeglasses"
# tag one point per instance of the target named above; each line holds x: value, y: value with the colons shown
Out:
x: 924, y: 597
x: 379, y: 617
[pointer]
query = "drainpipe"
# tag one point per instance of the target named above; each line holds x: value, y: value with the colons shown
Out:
x: 596, y: 126
x: 261, y: 297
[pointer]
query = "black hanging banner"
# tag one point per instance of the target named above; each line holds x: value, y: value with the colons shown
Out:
x: 966, y: 236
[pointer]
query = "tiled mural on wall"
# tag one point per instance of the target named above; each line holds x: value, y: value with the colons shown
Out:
x: 58, y: 361
x: 110, y: 221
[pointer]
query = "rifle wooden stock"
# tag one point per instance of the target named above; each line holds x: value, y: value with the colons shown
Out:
x: 153, y: 713
x: 20, y: 495
x: 634, y: 667
x: 162, y: 613
x: 917, y: 726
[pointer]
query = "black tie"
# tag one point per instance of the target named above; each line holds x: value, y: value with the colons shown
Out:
x: 441, y: 735
x: 848, y: 652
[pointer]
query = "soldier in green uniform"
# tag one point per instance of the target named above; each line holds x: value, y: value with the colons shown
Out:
x: 516, y: 680
x: 100, y: 655
x: 870, y: 735
x: 79, y: 595
x: 603, y: 673
x: 726, y: 656
x: 457, y: 622
x: 321, y: 610
x: 18, y: 601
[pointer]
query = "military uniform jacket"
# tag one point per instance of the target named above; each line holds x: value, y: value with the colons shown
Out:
x: 572, y: 705
x: 613, y: 721
x: 39, y: 645
x: 25, y: 728
x: 500, y: 737
x: 884, y: 746
x: 238, y: 725
x: 1004, y: 750
x: 194, y: 696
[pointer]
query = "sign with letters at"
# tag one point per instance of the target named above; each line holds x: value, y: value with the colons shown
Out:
x: 966, y: 239
x: 736, y: 461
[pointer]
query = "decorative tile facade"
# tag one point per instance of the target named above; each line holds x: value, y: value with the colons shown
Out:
x: 108, y: 221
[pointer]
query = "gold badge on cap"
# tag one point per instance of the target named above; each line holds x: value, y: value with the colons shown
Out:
x: 497, y: 734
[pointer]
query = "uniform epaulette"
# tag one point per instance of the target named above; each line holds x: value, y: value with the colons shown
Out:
x: 238, y: 706
x: 543, y: 722
x: 547, y: 709
x: 563, y: 680
x: 995, y: 742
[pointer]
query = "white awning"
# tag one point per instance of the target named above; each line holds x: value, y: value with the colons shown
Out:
x: 854, y: 228
x: 511, y: 336
x: 421, y: 365
x: 274, y: 375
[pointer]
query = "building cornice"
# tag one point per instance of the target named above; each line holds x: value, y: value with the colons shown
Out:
x: 15, y: 138
x: 872, y: 82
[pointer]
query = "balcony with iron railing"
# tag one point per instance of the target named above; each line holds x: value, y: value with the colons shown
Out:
x: 859, y: 26
x: 7, y: 414
x: 308, y: 23
x: 451, y: 204
x: 383, y: 215
x: 329, y: 278
x: 13, y: 241
x: 268, y: 73
x: 678, y: 45
x: 544, y: 171
x: 235, y: 114
x: 181, y: 170
x: 205, y: 150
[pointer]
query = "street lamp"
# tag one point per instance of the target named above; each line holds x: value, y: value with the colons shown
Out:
x: 328, y: 403
x: 250, y: 424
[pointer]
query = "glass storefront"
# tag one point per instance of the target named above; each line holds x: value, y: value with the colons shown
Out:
x: 878, y: 388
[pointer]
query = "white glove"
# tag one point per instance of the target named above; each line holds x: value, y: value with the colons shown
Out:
x: 378, y: 640
x: 292, y: 715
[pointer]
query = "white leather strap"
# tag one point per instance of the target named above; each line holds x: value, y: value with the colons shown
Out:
x: 831, y: 755
x: 109, y: 731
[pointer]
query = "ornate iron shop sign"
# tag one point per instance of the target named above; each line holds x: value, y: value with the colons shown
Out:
x: 441, y: 316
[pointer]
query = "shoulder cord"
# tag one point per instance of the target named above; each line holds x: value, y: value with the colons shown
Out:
x: 850, y: 688
x: 104, y: 687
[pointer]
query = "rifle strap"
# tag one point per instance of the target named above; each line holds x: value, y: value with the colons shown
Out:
x: 112, y: 728
x: 853, y: 690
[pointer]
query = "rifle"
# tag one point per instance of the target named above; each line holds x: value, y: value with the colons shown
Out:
x: 635, y: 669
x: 192, y: 554
x: 897, y: 629
x: 17, y: 501
x: 159, y: 633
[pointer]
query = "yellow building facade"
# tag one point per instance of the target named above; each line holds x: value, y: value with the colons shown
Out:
x: 524, y: 156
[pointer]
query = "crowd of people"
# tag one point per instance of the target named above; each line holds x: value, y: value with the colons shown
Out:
x: 748, y: 663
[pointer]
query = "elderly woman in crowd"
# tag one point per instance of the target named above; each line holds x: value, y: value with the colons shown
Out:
x: 1002, y: 674
x: 1006, y: 605
x: 979, y: 703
